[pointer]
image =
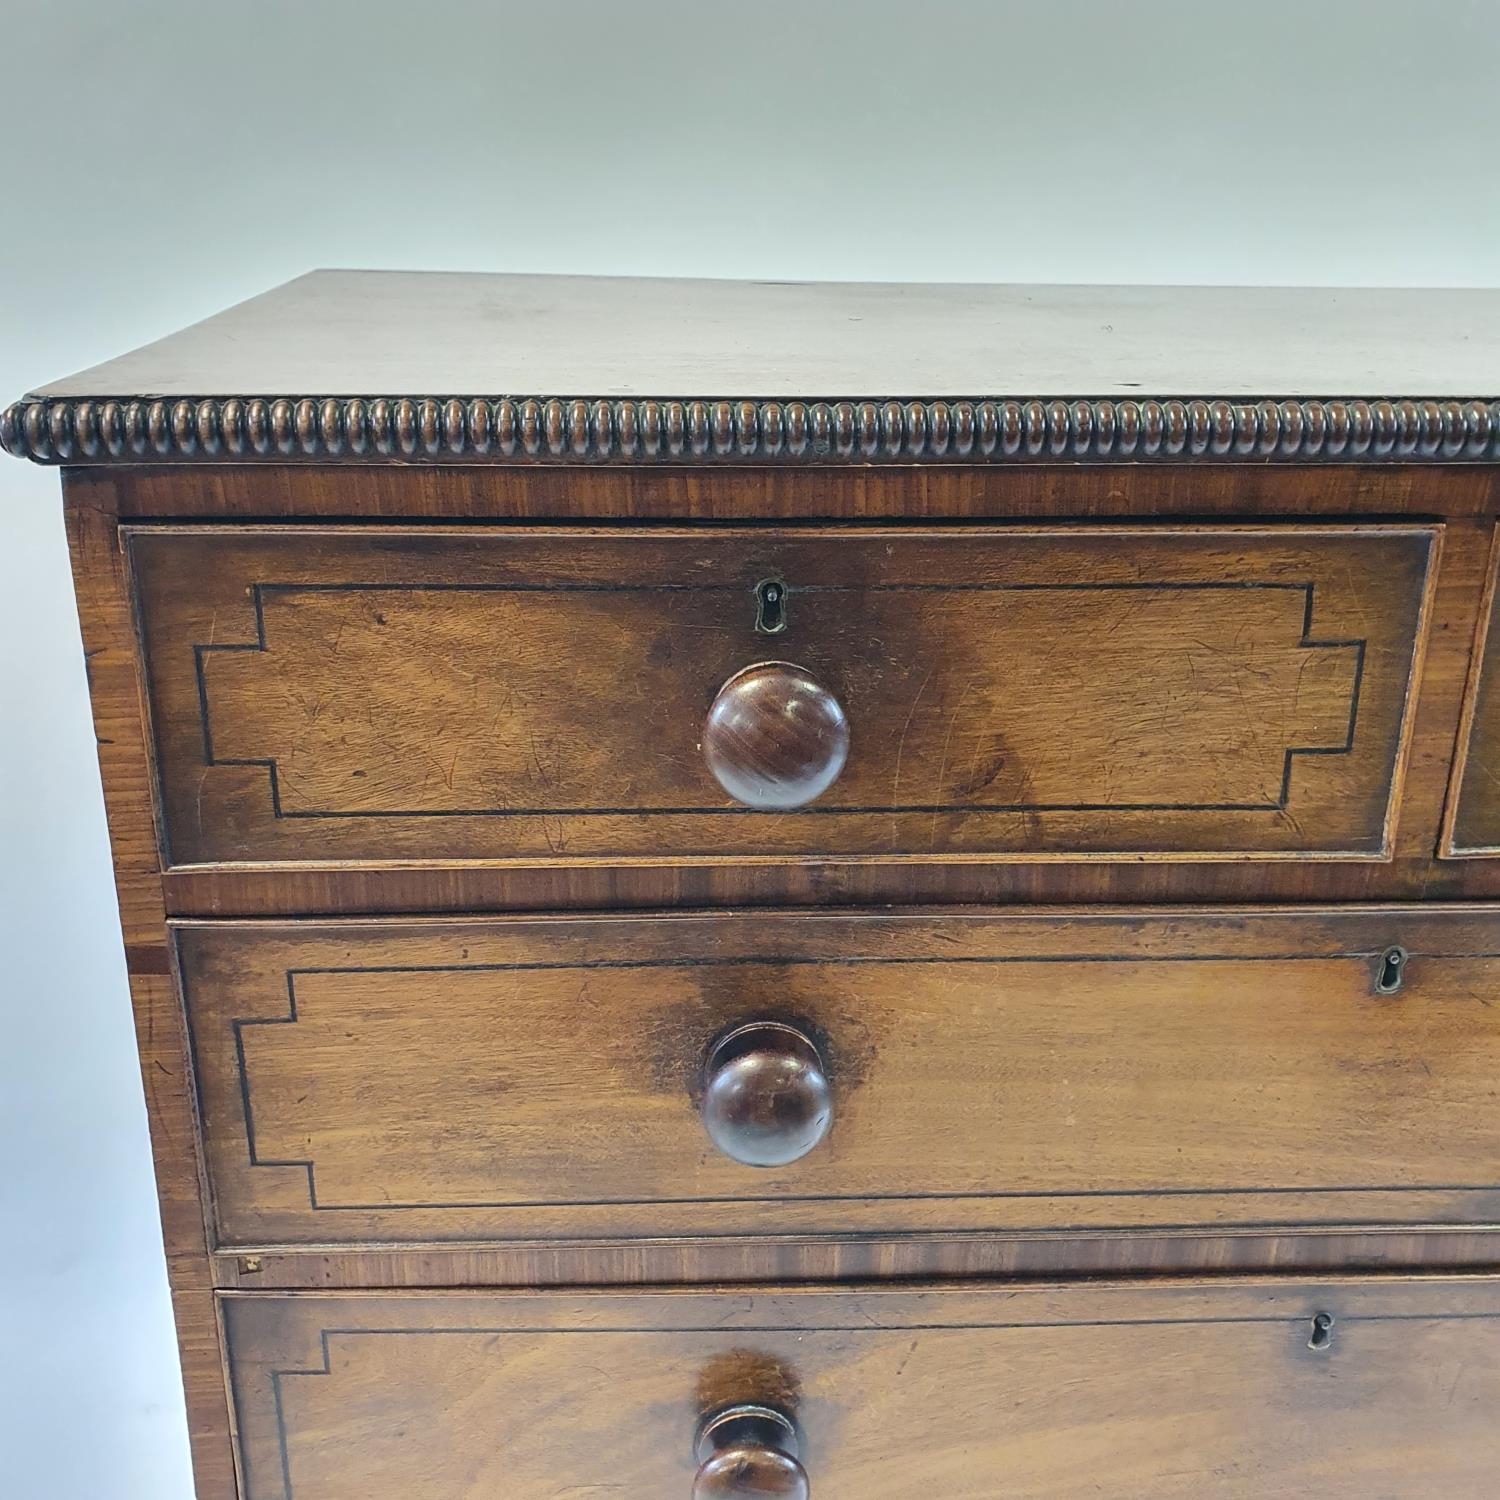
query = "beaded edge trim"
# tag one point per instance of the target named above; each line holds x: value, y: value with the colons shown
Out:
x: 575, y: 430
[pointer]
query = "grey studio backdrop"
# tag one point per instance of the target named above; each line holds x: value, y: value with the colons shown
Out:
x: 167, y: 157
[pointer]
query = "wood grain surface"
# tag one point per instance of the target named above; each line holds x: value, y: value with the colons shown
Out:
x: 1472, y: 828
x: 539, y: 697
x: 939, y: 1256
x: 415, y: 334
x: 424, y: 1083
x: 1237, y: 1390
x: 865, y: 494
x: 774, y: 737
x: 109, y: 647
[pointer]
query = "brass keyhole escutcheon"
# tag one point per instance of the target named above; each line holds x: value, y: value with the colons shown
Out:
x: 770, y: 607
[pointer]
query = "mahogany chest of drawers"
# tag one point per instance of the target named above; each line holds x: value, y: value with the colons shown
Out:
x: 753, y: 890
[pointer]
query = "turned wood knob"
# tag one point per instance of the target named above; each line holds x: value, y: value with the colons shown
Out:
x: 766, y: 1098
x: 775, y: 736
x: 748, y: 1453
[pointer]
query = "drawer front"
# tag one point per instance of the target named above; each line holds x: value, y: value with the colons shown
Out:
x: 1472, y: 829
x: 514, y: 1079
x: 1149, y: 1391
x: 401, y: 695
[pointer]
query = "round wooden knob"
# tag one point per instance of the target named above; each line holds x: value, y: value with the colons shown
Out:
x: 748, y: 1453
x: 766, y: 1099
x: 775, y: 736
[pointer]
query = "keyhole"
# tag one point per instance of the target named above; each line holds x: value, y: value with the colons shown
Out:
x: 1322, y: 1332
x: 1391, y: 972
x: 770, y: 613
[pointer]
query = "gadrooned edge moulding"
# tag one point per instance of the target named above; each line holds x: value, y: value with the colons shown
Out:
x: 580, y: 430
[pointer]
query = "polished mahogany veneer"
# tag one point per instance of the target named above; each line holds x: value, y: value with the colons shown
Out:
x: 770, y: 890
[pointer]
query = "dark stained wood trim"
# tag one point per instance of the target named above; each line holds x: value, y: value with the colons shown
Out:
x: 281, y: 891
x: 968, y: 1302
x: 602, y: 497
x: 793, y: 1258
x: 109, y: 646
x: 709, y: 430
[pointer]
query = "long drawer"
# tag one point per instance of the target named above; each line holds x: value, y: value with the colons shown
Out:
x: 431, y: 1081
x: 437, y: 695
x: 1242, y: 1391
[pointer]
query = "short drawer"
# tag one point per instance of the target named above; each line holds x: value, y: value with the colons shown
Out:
x: 431, y: 1082
x: 402, y: 695
x: 1242, y: 1391
x: 1472, y: 825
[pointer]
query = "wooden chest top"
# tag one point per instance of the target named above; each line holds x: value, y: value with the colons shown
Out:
x: 348, y: 366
